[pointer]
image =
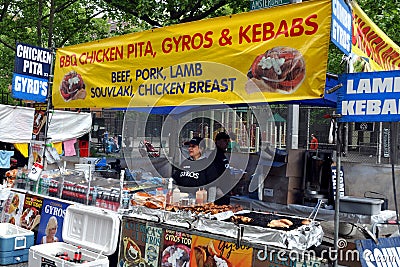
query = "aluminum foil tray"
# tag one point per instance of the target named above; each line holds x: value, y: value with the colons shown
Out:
x: 297, y: 237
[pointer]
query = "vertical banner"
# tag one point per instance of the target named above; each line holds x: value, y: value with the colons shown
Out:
x: 373, y: 49
x: 31, y: 72
x: 153, y: 243
x: 341, y: 28
x: 51, y: 221
x: 335, y: 182
x: 386, y: 142
x: 39, y: 119
x: 36, y: 153
x: 210, y: 252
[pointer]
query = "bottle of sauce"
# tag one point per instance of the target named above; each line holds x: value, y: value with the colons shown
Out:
x: 204, y: 196
x: 168, y: 197
x: 199, y: 197
x: 176, y: 196
x: 212, y: 194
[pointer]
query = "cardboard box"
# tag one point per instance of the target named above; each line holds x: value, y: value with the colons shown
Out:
x: 94, y: 229
x: 282, y: 190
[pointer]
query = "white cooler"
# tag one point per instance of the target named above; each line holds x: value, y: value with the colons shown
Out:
x: 94, y: 229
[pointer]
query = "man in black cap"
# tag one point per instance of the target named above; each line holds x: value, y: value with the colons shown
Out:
x: 221, y: 142
x: 221, y: 164
x: 197, y: 170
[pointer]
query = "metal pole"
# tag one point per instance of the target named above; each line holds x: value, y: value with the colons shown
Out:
x: 379, y: 144
x: 338, y: 127
x: 308, y: 127
x: 46, y: 126
x: 393, y: 160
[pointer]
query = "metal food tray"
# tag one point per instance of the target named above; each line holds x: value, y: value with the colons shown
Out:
x: 298, y: 237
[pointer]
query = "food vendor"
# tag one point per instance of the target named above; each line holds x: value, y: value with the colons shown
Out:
x: 221, y: 164
x: 197, y: 170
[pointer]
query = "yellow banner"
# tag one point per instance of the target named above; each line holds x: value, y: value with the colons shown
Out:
x: 274, y: 54
x: 375, y: 50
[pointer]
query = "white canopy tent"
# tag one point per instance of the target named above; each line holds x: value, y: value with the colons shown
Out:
x: 17, y: 124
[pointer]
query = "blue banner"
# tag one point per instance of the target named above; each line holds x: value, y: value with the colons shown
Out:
x: 29, y: 88
x: 369, y: 97
x: 341, y: 29
x: 385, y: 253
x: 31, y: 72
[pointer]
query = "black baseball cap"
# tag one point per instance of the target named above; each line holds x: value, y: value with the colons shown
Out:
x: 194, y: 141
x: 222, y: 135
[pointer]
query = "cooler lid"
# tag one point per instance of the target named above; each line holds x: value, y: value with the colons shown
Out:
x: 92, y: 228
x: 361, y: 200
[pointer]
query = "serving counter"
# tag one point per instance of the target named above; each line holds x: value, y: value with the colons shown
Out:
x: 195, y: 235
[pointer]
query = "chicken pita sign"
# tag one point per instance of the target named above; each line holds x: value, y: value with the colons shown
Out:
x: 31, y: 74
x: 242, y: 58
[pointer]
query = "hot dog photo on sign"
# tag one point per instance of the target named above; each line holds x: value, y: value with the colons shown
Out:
x: 72, y: 87
x: 279, y: 70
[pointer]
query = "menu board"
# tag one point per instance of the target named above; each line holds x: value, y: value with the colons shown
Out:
x: 153, y: 243
x: 30, y: 216
x: 51, y: 221
x: 176, y: 248
x: 13, y: 208
x: 133, y: 243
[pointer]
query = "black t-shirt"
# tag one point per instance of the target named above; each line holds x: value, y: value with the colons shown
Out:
x: 220, y: 161
x: 221, y: 164
x: 195, y: 173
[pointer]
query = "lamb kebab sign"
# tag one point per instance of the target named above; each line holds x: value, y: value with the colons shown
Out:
x: 370, y: 97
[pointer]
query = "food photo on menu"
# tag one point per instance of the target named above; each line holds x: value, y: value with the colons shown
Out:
x: 132, y: 249
x: 211, y: 252
x: 176, y: 249
x: 31, y: 213
x: 13, y: 208
x: 279, y: 70
x: 72, y: 87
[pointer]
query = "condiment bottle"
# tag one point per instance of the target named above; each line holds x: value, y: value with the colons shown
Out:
x: 159, y: 191
x: 168, y: 197
x: 204, y: 196
x: 212, y: 193
x: 176, y: 196
x: 199, y: 196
